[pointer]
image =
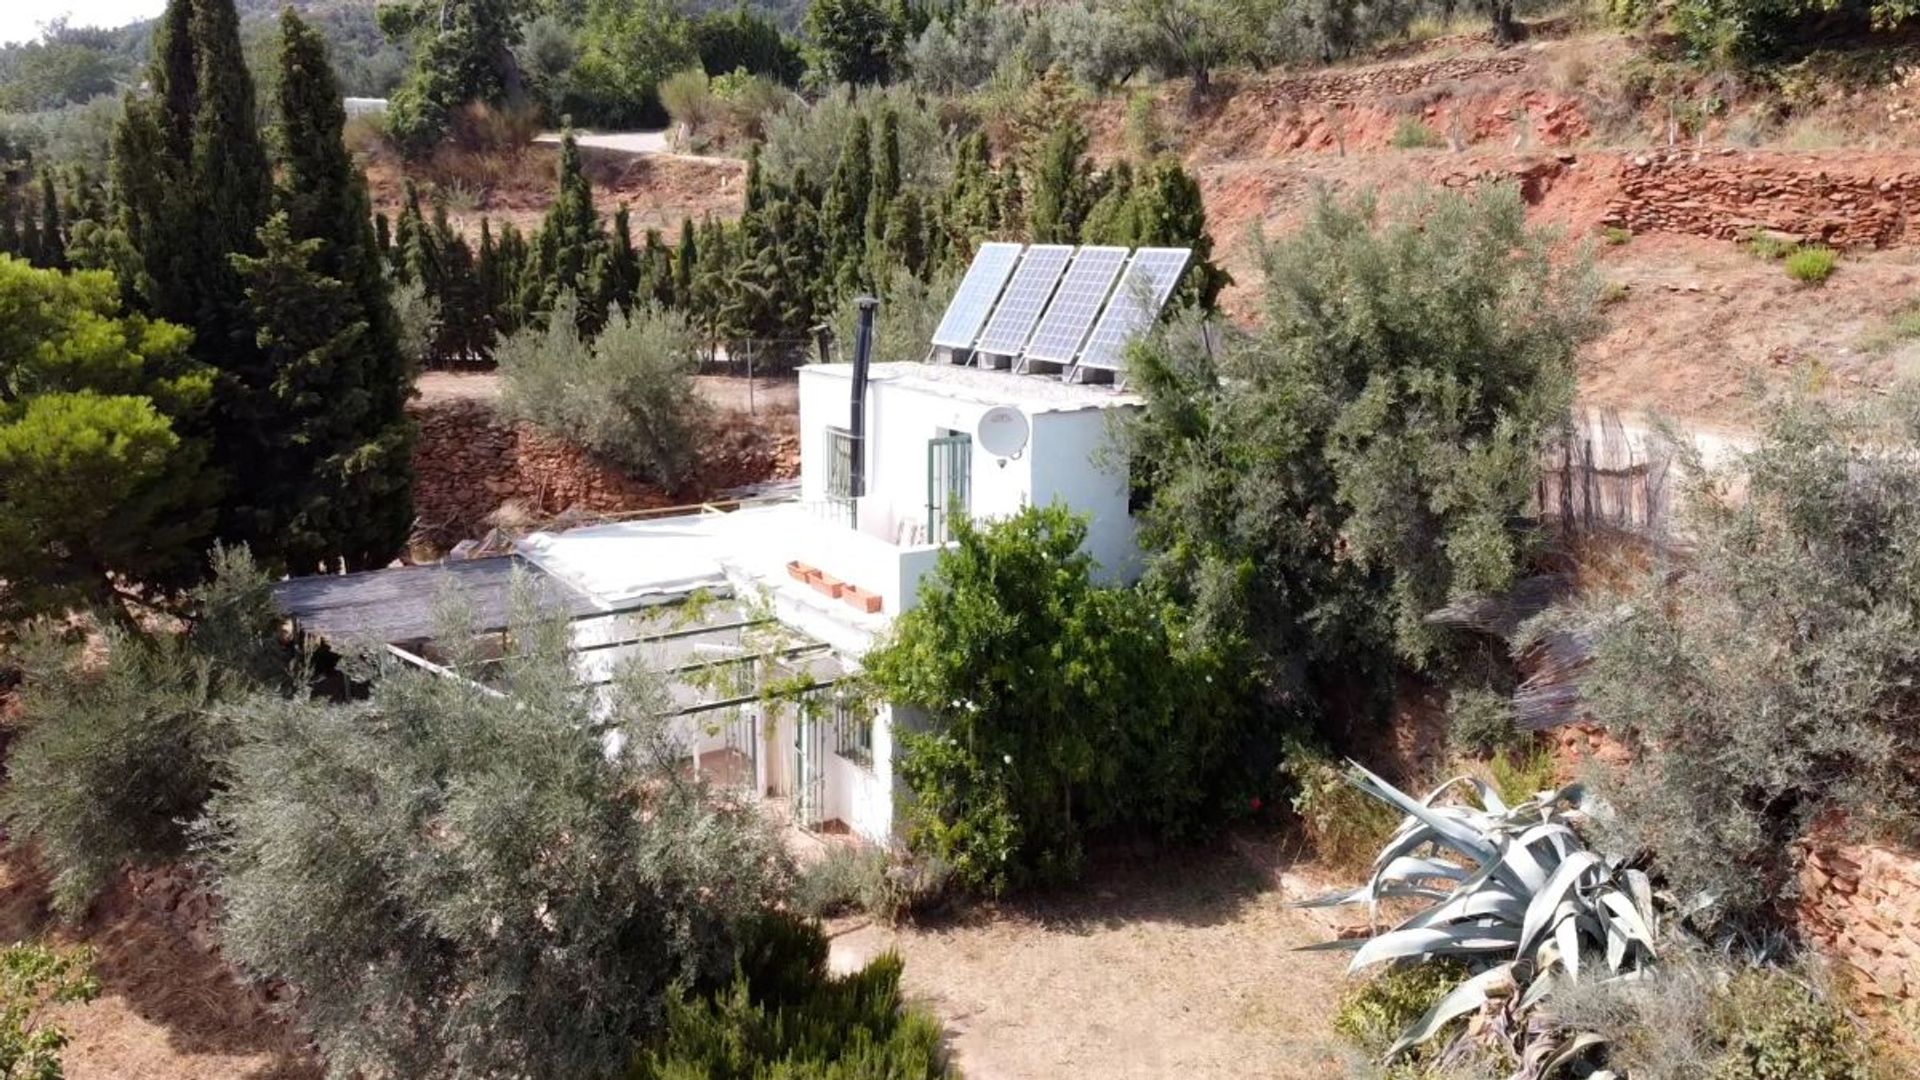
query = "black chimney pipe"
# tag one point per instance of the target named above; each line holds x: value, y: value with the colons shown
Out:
x: 857, y: 407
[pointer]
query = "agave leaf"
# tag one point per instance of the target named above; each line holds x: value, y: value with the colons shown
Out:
x: 1567, y: 936
x: 1411, y: 868
x: 1543, y: 983
x: 1574, y: 1047
x: 1448, y: 829
x: 1544, y: 905
x: 1462, y: 999
x: 1427, y: 942
x: 1628, y: 916
x: 1335, y: 899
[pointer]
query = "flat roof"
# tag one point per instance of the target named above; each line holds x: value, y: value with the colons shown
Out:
x: 1033, y: 393
x: 402, y: 603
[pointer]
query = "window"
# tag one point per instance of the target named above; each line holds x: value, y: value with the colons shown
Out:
x: 949, y: 482
x: 840, y: 471
x: 852, y: 735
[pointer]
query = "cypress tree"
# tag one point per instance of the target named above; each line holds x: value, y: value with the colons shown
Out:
x: 9, y: 225
x: 623, y: 262
x: 30, y: 236
x: 53, y: 244
x: 686, y: 265
x: 571, y: 239
x: 383, y: 234
x: 412, y: 259
x: 845, y: 206
x: 1168, y: 212
x: 1060, y: 187
x: 341, y: 382
x: 464, y: 333
x: 195, y: 189
x: 885, y: 177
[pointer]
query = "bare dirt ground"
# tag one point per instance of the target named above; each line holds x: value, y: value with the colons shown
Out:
x: 1177, y: 965
x: 167, y: 1010
x: 729, y: 393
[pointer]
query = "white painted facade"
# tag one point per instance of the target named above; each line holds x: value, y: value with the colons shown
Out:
x: 749, y: 552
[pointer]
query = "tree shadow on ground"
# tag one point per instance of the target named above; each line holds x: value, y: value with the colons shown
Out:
x: 163, y: 977
x: 1206, y: 884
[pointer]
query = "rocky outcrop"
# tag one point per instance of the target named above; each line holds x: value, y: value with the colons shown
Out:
x: 1860, y: 905
x: 469, y: 464
x: 1840, y: 200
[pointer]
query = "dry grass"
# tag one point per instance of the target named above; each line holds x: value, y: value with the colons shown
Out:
x: 168, y: 1010
x: 1171, y: 965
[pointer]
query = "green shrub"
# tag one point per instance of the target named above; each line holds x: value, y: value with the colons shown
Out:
x: 1315, y: 490
x: 1373, y: 1012
x: 1056, y: 707
x: 1520, y: 772
x: 1773, y: 1026
x: 1699, y: 1014
x: 1767, y: 681
x: 847, y: 879
x: 1811, y: 265
x: 1770, y: 246
x: 33, y: 977
x: 1411, y: 134
x: 627, y: 396
x: 784, y: 1016
x: 468, y: 880
x: 117, y: 757
x: 1481, y: 721
x: 1615, y: 235
x: 1344, y: 826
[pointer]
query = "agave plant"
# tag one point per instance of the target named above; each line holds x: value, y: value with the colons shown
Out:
x: 1513, y: 891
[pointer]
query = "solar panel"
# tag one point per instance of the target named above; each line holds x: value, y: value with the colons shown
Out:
x: 1075, y: 304
x: 1024, y: 300
x: 1149, y: 280
x: 974, y: 298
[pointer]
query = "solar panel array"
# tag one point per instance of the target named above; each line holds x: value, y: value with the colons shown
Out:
x: 1076, y: 304
x: 1025, y: 298
x: 1149, y: 281
x: 973, y: 300
x: 1054, y: 304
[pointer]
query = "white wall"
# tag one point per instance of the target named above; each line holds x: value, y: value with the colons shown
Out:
x: 1065, y: 461
x: 1074, y: 462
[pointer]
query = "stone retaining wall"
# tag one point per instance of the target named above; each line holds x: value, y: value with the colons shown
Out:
x: 469, y: 463
x: 1860, y: 904
x: 1842, y: 200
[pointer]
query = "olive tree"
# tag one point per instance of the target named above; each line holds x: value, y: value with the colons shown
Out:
x: 478, y: 880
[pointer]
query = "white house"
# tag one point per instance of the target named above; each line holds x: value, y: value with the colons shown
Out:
x: 729, y: 603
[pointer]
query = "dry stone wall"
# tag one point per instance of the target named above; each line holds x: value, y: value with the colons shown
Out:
x: 469, y: 464
x: 1860, y: 904
x: 1843, y: 200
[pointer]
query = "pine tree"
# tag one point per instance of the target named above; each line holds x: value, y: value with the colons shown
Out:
x: 347, y: 466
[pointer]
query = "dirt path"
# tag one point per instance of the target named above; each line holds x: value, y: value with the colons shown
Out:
x: 771, y: 396
x: 1180, y: 966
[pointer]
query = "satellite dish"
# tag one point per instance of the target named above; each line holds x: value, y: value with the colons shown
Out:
x: 1003, y: 432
